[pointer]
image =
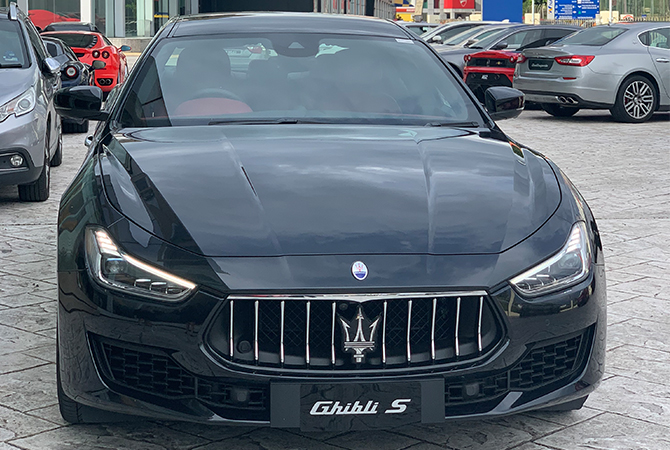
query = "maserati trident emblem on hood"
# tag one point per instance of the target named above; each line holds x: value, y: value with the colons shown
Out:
x: 359, y: 270
x: 359, y: 344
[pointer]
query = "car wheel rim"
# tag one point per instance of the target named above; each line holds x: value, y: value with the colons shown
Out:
x: 638, y: 99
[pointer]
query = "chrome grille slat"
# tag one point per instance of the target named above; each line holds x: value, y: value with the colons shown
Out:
x: 458, y: 324
x: 307, y: 335
x: 306, y: 331
x: 384, y: 333
x: 432, y: 330
x: 281, y: 334
x: 256, y: 331
x: 479, y: 324
x: 409, y: 330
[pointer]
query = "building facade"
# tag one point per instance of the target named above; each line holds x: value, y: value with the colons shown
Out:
x: 142, y: 18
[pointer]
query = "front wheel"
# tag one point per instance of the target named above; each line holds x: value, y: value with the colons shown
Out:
x: 559, y: 110
x: 38, y: 190
x: 636, y: 101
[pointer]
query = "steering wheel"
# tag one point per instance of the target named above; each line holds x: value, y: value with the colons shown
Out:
x: 215, y: 92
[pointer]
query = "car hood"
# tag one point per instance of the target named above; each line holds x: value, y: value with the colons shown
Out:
x: 14, y: 82
x: 276, y: 190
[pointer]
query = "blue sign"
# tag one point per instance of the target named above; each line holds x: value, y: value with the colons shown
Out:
x: 503, y: 10
x: 576, y: 9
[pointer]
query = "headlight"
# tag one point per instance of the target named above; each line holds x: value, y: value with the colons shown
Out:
x: 114, y: 268
x: 19, y: 106
x: 569, y: 266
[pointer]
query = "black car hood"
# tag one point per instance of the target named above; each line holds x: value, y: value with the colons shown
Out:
x: 276, y: 190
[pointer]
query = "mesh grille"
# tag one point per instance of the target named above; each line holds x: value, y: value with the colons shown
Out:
x: 391, y: 346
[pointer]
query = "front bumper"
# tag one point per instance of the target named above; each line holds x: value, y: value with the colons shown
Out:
x: 133, y: 357
x: 25, y: 136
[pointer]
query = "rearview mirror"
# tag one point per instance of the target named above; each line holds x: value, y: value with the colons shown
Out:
x: 125, y: 48
x: 80, y: 102
x: 97, y: 64
x: 503, y: 102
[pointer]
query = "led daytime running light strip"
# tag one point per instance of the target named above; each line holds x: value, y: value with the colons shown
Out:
x: 107, y: 246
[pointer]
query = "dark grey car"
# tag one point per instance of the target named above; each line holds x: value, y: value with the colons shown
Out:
x: 510, y: 38
x: 30, y: 129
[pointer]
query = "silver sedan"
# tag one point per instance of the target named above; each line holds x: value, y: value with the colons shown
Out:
x: 624, y: 68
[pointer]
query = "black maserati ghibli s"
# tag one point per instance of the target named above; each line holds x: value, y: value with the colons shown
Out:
x: 308, y: 221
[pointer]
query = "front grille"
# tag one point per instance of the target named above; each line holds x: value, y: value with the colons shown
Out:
x: 491, y: 62
x: 539, y: 368
x: 158, y: 375
x: 309, y: 332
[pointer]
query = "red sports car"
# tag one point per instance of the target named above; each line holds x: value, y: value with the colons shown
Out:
x: 90, y: 46
x: 489, y: 68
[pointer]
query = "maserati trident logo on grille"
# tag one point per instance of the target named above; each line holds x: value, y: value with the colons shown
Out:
x: 359, y: 270
x: 359, y: 344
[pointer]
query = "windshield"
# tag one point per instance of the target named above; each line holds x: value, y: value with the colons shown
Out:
x: 595, y: 36
x: 78, y: 40
x: 294, y: 78
x: 12, y: 50
x: 475, y: 33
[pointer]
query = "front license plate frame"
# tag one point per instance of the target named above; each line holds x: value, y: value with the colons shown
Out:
x: 356, y: 405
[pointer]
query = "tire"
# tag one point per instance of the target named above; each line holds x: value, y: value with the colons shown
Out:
x: 569, y: 406
x: 38, y: 190
x: 636, y: 100
x: 72, y: 127
x: 559, y: 110
x: 57, y: 158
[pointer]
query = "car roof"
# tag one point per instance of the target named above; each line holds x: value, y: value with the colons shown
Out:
x: 50, y: 33
x: 278, y: 22
x: 639, y: 25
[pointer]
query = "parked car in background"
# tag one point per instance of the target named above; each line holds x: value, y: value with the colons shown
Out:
x: 90, y: 46
x: 418, y: 28
x: 624, y: 68
x: 73, y: 73
x: 496, y: 67
x: 71, y: 26
x: 468, y: 38
x: 340, y: 238
x: 30, y: 129
x: 445, y: 32
x: 509, y: 38
x: 42, y: 18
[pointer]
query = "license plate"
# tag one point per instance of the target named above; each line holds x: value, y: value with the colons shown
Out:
x: 540, y: 64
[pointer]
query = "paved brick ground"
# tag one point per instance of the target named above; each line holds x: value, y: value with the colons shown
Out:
x: 622, y: 170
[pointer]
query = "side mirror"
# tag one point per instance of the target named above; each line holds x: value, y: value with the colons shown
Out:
x: 500, y: 46
x: 80, y: 102
x: 51, y: 66
x: 125, y: 48
x: 97, y: 64
x: 503, y: 102
x: 437, y: 38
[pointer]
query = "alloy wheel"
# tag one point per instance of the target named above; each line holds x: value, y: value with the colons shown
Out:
x: 638, y: 99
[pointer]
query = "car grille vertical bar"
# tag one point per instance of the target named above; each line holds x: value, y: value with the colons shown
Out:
x: 307, y: 335
x: 432, y: 330
x: 409, y: 330
x: 384, y: 334
x: 479, y: 324
x: 281, y: 339
x: 256, y: 331
x: 458, y: 324
x: 332, y: 337
x: 232, y: 328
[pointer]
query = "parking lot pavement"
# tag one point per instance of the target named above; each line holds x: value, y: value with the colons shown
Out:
x: 622, y: 170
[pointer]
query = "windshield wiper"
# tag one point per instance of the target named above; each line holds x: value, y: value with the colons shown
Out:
x: 454, y: 124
